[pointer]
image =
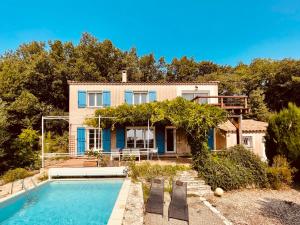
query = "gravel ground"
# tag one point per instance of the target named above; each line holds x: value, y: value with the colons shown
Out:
x: 260, y: 207
x: 199, y: 214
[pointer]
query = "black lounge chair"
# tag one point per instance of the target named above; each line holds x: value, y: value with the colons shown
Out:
x: 178, y: 208
x: 155, y: 202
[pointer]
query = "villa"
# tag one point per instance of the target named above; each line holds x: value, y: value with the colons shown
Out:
x: 86, y: 97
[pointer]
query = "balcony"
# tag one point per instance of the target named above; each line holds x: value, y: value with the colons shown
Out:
x: 233, y: 104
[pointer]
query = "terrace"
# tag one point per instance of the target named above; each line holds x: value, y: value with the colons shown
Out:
x: 233, y: 104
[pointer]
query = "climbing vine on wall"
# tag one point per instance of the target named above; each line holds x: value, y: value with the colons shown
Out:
x: 194, y: 118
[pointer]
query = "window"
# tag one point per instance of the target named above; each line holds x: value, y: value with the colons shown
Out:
x: 140, y: 97
x: 94, y: 139
x: 138, y: 138
x: 247, y: 141
x: 191, y: 95
x: 95, y: 99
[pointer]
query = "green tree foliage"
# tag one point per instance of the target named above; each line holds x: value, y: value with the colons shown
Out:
x: 283, y: 135
x: 258, y: 107
x: 25, y: 148
x: 194, y: 118
x: 4, y: 135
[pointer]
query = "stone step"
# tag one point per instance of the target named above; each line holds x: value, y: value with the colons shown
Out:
x: 192, y: 181
x: 200, y: 193
x: 196, y: 182
x: 189, y: 172
x: 201, y: 188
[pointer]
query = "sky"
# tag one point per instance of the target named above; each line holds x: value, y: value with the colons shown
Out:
x: 223, y: 31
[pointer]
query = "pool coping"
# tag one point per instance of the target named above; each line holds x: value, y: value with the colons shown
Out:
x: 117, y: 214
x: 14, y: 195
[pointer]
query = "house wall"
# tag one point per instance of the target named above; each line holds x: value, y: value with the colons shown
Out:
x: 258, y: 143
x: 229, y: 139
x: 78, y: 115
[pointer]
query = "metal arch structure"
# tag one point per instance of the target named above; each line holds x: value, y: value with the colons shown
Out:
x: 65, y: 118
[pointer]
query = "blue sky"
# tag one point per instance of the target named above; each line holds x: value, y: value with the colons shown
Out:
x: 224, y: 31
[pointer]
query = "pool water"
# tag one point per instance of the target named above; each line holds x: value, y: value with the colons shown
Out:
x: 63, y: 202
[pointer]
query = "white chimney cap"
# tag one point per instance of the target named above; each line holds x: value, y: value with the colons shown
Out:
x: 124, y: 76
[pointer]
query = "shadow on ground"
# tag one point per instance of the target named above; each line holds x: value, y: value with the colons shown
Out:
x: 287, y: 212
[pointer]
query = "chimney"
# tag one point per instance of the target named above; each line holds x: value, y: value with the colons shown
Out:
x: 124, y: 76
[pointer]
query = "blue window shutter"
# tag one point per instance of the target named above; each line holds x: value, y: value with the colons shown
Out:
x: 120, y: 136
x: 81, y: 99
x: 129, y: 97
x: 80, y: 140
x: 160, y: 139
x: 106, y: 139
x: 152, y: 96
x: 106, y: 98
x: 211, y: 139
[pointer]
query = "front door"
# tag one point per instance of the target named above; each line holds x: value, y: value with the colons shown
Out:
x: 170, y: 140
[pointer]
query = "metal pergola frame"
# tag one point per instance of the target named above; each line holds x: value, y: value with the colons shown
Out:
x: 67, y: 118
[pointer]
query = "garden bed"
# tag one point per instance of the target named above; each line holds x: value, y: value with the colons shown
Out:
x: 254, y: 207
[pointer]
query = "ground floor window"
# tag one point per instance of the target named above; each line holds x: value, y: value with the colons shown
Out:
x: 94, y: 139
x: 247, y: 141
x: 139, y: 138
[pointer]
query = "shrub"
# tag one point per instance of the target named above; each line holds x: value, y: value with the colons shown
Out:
x: 147, y: 171
x: 16, y: 174
x: 43, y: 176
x: 283, y: 135
x: 236, y: 168
x: 280, y: 173
x: 247, y: 159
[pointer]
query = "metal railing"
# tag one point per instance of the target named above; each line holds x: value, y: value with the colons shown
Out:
x: 225, y: 102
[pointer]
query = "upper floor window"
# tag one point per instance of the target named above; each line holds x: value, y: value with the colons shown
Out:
x: 95, y: 99
x: 140, y: 97
x: 188, y: 95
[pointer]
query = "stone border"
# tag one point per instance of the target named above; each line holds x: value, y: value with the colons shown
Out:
x: 215, y: 211
x: 116, y: 217
x: 22, y: 191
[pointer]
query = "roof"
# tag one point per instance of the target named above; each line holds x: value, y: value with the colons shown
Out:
x: 227, y: 126
x: 254, y: 125
x: 142, y: 83
x: 248, y: 125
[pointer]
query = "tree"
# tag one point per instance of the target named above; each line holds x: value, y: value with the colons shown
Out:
x: 283, y: 135
x: 183, y: 69
x: 4, y: 136
x: 258, y: 108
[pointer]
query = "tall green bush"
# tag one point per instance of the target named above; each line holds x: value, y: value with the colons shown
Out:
x: 283, y: 135
x: 236, y: 168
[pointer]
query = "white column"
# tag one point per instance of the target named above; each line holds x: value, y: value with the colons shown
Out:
x: 43, y: 163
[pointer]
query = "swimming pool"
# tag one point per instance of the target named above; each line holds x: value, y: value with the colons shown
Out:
x: 63, y: 202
